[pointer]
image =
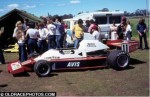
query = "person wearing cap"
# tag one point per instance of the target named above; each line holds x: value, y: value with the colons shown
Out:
x: 142, y: 29
x: 2, y: 60
x: 95, y: 32
x: 43, y: 34
x: 33, y: 35
x: 78, y: 33
x: 20, y: 36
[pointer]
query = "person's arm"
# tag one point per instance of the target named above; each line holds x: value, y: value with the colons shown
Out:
x: 73, y: 32
x: 145, y: 28
x: 0, y: 33
x: 15, y: 31
x: 137, y: 28
x: 27, y: 34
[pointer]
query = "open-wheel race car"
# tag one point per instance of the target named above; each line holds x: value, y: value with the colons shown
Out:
x: 90, y: 54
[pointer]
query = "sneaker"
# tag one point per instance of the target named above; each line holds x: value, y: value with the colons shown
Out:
x: 0, y: 63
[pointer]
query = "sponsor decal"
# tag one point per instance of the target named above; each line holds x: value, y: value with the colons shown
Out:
x: 52, y: 57
x: 91, y: 45
x: 73, y: 64
x: 15, y: 66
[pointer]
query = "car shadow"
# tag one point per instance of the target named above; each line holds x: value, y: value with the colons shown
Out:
x: 135, y: 61
x: 24, y: 74
x: 1, y: 71
x: 4, y: 85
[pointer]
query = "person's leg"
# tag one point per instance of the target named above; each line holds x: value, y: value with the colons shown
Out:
x: 140, y: 38
x: 2, y: 60
x: 49, y: 46
x: 40, y: 46
x: 53, y: 43
x: 35, y: 45
x: 23, y: 52
x: 44, y: 46
x: 76, y: 42
x: 145, y: 41
x: 58, y: 39
x: 31, y: 46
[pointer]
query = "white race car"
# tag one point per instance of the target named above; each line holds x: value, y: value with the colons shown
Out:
x: 90, y: 54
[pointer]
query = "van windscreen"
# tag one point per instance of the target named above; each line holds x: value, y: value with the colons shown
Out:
x: 101, y: 20
x: 117, y: 19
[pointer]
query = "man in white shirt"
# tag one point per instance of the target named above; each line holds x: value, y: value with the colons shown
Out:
x: 51, y: 34
x: 33, y: 36
x: 43, y: 34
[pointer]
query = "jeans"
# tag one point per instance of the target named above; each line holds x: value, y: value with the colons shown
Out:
x: 22, y: 52
x: 32, y: 43
x: 58, y: 41
x: 51, y: 42
x: 2, y: 60
x: 42, y: 45
x: 77, y: 41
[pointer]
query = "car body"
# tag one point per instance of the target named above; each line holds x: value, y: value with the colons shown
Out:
x: 90, y: 54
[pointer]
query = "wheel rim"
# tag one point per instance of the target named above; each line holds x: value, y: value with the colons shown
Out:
x: 122, y: 61
x: 43, y: 69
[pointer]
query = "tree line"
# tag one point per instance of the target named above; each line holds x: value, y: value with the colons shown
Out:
x: 138, y: 12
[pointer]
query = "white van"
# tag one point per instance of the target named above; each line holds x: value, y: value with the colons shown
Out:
x: 103, y: 19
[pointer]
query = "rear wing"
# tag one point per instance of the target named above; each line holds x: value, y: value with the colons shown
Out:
x: 127, y: 46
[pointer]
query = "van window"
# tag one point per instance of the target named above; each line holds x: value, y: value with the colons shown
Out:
x: 101, y: 20
x: 117, y: 19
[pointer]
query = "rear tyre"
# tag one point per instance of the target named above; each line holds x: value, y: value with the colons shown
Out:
x: 42, y: 68
x: 118, y: 59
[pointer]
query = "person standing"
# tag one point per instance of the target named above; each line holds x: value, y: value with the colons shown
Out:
x: 25, y: 28
x: 142, y: 29
x: 2, y: 60
x: 95, y: 33
x: 113, y: 30
x: 51, y: 34
x: 42, y: 43
x: 78, y: 33
x: 33, y: 35
x: 20, y: 36
x: 60, y: 32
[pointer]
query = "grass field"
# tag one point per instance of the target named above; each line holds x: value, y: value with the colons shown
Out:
x: 133, y: 81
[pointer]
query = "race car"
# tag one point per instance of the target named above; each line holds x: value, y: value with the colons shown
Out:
x: 91, y: 53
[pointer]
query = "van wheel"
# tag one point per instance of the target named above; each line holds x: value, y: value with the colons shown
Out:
x: 118, y: 59
x: 42, y: 68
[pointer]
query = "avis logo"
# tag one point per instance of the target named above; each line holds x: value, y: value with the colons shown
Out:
x: 73, y: 64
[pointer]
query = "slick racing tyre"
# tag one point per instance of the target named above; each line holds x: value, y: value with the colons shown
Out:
x: 118, y: 59
x: 33, y: 55
x: 42, y: 68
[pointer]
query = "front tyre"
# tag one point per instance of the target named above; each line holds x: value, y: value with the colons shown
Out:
x: 42, y: 68
x: 118, y: 59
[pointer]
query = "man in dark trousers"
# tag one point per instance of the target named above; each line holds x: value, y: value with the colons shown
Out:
x: 142, y: 29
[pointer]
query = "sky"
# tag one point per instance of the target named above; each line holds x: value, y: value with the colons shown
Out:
x: 61, y: 7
